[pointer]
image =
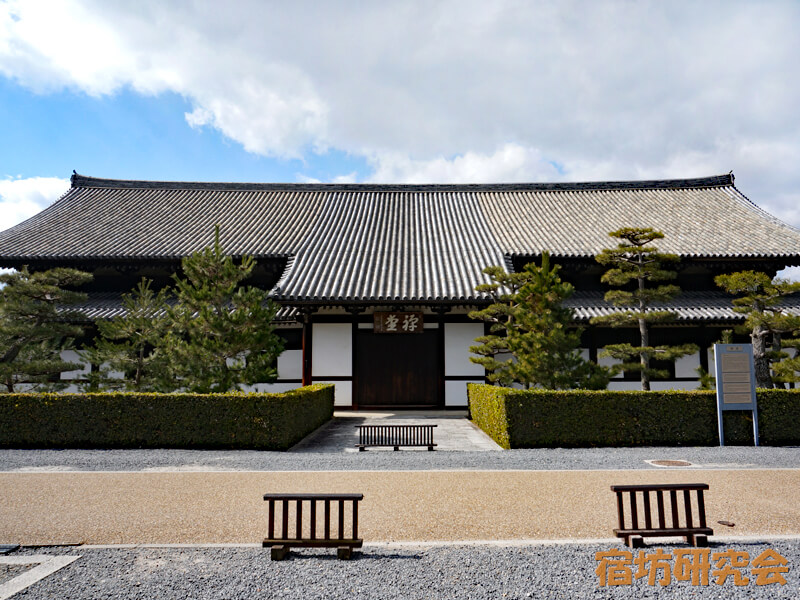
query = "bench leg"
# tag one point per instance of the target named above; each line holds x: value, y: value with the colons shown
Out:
x: 278, y: 552
x: 361, y: 448
x: 634, y: 541
x: 698, y: 540
x: 430, y: 448
x: 344, y: 552
x: 396, y: 448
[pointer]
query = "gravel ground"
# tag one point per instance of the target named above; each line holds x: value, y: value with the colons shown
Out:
x: 729, y: 457
x: 535, y: 571
x: 381, y: 571
x: 10, y: 571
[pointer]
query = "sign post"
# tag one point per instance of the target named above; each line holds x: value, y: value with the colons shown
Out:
x: 736, y: 383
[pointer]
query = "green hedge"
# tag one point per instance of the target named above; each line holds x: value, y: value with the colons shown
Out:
x: 582, y: 418
x: 131, y: 420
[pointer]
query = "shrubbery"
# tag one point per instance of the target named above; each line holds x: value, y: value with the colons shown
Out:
x: 136, y: 420
x: 583, y: 418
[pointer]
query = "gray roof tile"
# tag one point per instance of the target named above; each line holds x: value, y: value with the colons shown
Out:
x: 362, y: 242
x: 689, y: 306
x: 107, y: 305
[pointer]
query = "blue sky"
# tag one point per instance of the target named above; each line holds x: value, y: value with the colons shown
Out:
x: 412, y: 91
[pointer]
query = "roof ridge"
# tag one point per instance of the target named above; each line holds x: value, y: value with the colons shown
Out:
x: 725, y: 180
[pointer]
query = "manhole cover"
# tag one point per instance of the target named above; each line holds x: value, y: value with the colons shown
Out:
x: 670, y: 463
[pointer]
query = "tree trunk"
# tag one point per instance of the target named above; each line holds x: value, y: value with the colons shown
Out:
x: 645, y: 341
x: 760, y: 360
x: 644, y: 356
x: 777, y: 346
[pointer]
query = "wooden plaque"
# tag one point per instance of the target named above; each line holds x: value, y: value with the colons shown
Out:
x: 397, y: 322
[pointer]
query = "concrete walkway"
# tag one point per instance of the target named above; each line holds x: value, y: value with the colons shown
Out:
x: 453, y: 431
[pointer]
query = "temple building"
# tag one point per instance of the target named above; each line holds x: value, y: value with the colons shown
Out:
x: 375, y: 281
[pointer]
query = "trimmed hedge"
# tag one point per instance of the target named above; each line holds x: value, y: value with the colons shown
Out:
x: 131, y: 420
x: 583, y: 418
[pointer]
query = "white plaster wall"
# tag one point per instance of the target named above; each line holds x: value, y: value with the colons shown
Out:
x: 113, y: 374
x: 618, y: 386
x: 290, y: 364
x: 75, y: 356
x: 686, y: 366
x: 607, y: 361
x: 458, y: 337
x: 455, y: 392
x: 332, y: 347
x: 344, y: 393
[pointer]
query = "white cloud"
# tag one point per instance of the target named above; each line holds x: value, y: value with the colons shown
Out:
x: 347, y: 178
x: 262, y: 118
x: 511, y: 163
x: 792, y: 274
x: 264, y: 103
x: 457, y: 90
x: 23, y: 198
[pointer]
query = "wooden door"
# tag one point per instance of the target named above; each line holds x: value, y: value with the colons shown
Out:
x: 397, y: 370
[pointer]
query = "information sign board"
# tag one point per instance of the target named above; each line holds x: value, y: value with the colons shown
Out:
x: 736, y: 382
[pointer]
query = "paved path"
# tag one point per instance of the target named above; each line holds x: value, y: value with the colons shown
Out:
x: 453, y: 431
x: 226, y: 507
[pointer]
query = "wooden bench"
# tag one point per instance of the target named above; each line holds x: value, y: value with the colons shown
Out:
x: 307, y: 534
x: 652, y: 520
x: 395, y: 436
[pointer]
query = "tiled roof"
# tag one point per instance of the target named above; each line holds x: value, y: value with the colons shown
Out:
x: 387, y: 246
x: 696, y: 221
x: 366, y: 242
x: 107, y: 305
x: 102, y: 222
x: 689, y: 306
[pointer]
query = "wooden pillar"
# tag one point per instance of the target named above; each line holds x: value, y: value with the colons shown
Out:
x: 487, y: 329
x: 591, y: 340
x: 354, y: 312
x: 440, y: 311
x: 307, y: 349
x: 705, y: 344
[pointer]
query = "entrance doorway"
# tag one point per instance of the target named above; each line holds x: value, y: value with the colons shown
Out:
x: 397, y: 370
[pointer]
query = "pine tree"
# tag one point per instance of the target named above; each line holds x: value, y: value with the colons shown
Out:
x: 221, y: 333
x: 787, y: 370
x: 635, y: 260
x: 537, y: 330
x: 130, y: 344
x: 492, y: 349
x: 35, y: 327
x: 759, y: 299
x: 543, y: 340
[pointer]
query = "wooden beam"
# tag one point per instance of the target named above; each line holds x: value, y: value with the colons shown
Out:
x: 307, y: 349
